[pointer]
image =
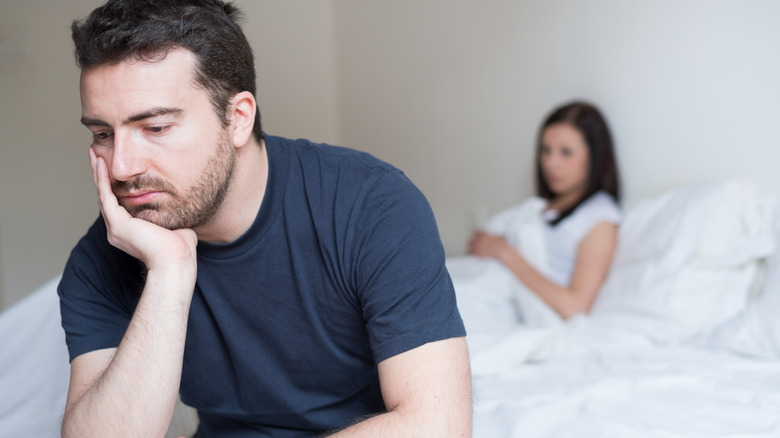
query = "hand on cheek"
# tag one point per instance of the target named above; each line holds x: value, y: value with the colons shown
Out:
x: 102, y: 181
x: 148, y: 242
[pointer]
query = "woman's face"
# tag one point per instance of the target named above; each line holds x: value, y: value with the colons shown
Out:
x: 564, y: 159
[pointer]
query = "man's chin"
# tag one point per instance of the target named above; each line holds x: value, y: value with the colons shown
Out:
x: 156, y: 217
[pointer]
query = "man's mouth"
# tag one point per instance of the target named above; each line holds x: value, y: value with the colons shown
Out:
x: 139, y: 197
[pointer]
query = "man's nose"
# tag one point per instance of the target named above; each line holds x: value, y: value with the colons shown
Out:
x: 127, y: 160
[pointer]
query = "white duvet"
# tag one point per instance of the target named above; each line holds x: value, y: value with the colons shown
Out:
x: 619, y: 388
x: 683, y: 340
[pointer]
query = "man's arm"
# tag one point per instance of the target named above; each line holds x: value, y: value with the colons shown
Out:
x: 427, y: 392
x: 132, y: 390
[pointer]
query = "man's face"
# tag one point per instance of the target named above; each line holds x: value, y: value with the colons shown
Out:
x: 170, y: 159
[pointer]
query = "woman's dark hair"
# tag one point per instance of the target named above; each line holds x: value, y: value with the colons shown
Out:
x: 147, y: 30
x: 603, y: 172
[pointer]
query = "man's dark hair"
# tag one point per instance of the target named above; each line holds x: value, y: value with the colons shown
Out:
x: 147, y: 30
x: 603, y: 172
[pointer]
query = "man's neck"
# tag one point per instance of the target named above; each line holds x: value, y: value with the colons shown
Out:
x: 245, y: 195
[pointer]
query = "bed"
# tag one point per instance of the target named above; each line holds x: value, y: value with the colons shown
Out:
x: 34, y: 370
x: 683, y: 341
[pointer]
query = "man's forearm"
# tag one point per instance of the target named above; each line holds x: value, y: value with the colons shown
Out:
x: 427, y: 391
x: 394, y: 424
x: 137, y: 392
x: 391, y: 425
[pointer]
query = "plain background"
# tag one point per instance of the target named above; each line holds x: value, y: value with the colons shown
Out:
x: 450, y: 91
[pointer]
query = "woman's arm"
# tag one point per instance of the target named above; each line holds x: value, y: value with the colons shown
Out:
x: 594, y: 256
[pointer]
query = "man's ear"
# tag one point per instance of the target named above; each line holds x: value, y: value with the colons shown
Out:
x: 244, y: 110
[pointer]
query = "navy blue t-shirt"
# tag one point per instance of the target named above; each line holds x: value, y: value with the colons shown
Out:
x: 342, y: 268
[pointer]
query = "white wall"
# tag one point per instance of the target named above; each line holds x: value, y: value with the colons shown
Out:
x: 46, y: 193
x: 294, y: 47
x: 451, y: 91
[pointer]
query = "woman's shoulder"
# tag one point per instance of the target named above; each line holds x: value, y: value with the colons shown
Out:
x: 599, y: 207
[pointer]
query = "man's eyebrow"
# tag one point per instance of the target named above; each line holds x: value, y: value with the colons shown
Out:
x: 86, y: 121
x: 154, y: 112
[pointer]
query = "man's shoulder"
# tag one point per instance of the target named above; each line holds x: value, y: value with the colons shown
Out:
x: 308, y: 152
x: 333, y: 177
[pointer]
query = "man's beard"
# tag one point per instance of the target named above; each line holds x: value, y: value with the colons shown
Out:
x: 188, y: 208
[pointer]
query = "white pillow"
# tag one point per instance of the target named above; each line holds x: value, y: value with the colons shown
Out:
x: 756, y: 331
x: 687, y: 258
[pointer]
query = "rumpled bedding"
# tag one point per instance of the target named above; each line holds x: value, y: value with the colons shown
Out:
x: 34, y: 369
x: 683, y: 341
x: 489, y: 296
x: 583, y: 382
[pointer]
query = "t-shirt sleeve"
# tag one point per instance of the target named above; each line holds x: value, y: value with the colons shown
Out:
x: 405, y: 291
x: 600, y: 208
x: 607, y: 211
x: 94, y: 307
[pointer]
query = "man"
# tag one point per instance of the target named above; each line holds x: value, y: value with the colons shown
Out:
x: 283, y: 288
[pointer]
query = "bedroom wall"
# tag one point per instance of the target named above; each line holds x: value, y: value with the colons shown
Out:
x: 46, y: 198
x: 451, y: 91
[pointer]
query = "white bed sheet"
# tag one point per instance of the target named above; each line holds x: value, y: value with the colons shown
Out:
x: 651, y: 360
x: 34, y: 368
x: 586, y: 378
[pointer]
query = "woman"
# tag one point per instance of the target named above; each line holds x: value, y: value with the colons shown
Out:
x: 577, y: 175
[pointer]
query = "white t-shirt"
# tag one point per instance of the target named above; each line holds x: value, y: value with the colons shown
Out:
x: 563, y: 239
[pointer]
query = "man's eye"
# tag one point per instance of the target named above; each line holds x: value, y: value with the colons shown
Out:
x: 101, y: 135
x: 157, y: 129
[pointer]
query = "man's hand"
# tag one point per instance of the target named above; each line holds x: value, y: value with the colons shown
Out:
x: 156, y: 246
x: 131, y: 390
